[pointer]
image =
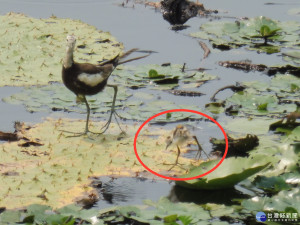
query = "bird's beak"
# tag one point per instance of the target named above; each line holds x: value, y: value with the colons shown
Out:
x: 168, y: 144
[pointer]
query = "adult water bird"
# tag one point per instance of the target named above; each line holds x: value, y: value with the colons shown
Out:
x: 89, y: 79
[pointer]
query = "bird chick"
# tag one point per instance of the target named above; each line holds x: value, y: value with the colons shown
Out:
x: 180, y: 136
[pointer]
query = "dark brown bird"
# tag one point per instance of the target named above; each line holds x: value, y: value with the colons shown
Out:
x: 89, y: 79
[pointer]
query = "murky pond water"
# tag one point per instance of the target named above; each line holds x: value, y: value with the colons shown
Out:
x: 144, y: 28
x: 133, y: 191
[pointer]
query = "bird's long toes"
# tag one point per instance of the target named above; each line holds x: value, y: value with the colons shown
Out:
x: 105, y: 127
x: 172, y: 167
x: 75, y: 134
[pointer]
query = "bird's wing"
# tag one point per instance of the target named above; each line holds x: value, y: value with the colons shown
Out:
x: 92, y: 79
x: 92, y: 75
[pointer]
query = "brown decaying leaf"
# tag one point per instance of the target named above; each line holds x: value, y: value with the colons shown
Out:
x: 205, y: 49
x: 236, y: 146
x: 19, y: 134
x: 240, y: 65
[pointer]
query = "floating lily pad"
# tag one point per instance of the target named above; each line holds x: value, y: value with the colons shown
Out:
x: 278, y: 203
x: 252, y: 103
x: 228, y: 174
x: 42, y: 214
x: 271, y: 184
x: 215, y: 107
x: 32, y: 49
x: 162, y: 76
x: 165, y: 207
x: 153, y: 74
x: 59, y: 170
x: 158, y: 213
x: 294, y: 135
x: 226, y: 35
x: 257, y: 126
x: 10, y: 217
x: 293, y: 56
x: 56, y: 97
x: 274, y: 98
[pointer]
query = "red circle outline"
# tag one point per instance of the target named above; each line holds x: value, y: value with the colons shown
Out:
x: 179, y: 110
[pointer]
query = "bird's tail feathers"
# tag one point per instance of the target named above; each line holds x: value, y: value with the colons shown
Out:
x: 129, y: 60
x: 124, y: 55
x: 113, y: 61
x: 116, y: 60
x: 136, y: 58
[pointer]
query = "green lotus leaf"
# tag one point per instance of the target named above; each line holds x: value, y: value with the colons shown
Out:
x: 57, y: 98
x: 154, y: 75
x: 293, y: 56
x: 269, y: 49
x: 32, y: 49
x: 226, y: 35
x: 215, y: 107
x: 219, y: 210
x: 265, y: 31
x: 271, y: 184
x: 166, y: 208
x: 263, y: 106
x: 58, y: 170
x: 229, y: 173
x: 284, y: 199
x: 10, y: 217
x: 69, y: 210
x: 294, y: 135
x: 259, y: 103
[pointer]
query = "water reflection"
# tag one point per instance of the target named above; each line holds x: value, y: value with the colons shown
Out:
x: 180, y: 194
x: 132, y: 191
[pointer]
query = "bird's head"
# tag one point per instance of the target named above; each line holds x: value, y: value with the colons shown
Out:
x: 71, y: 41
x: 180, y: 127
x: 180, y: 131
x: 68, y: 60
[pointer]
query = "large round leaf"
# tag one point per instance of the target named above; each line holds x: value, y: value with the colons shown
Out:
x: 32, y: 49
x: 228, y: 174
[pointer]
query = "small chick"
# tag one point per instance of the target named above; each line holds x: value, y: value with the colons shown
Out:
x: 181, y: 135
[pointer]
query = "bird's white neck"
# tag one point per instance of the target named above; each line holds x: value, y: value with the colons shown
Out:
x: 68, y: 60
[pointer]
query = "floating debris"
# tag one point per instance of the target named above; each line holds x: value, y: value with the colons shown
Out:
x: 234, y: 88
x: 177, y: 12
x: 186, y: 93
x: 236, y: 146
x: 241, y: 65
x: 205, y: 48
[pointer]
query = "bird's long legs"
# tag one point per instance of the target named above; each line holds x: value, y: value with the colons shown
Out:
x: 200, y: 149
x: 88, y: 111
x: 176, y: 161
x: 106, y: 126
x: 86, y: 123
x: 112, y: 111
